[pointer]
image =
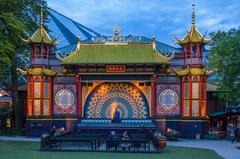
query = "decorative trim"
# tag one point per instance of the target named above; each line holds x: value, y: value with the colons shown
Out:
x: 182, y: 120
x: 53, y: 119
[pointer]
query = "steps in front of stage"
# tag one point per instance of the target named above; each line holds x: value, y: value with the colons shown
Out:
x: 107, y: 124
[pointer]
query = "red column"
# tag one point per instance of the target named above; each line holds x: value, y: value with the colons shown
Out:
x: 205, y: 96
x: 184, y: 53
x: 41, y: 95
x: 190, y: 96
x: 153, y: 108
x: 200, y: 96
x: 41, y: 53
x: 199, y: 55
x: 34, y: 53
x: 190, y: 53
x: 33, y: 95
x: 182, y: 110
x: 27, y: 104
x: 50, y: 97
x: 79, y: 110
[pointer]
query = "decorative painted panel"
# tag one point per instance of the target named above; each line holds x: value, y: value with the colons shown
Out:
x: 65, y: 99
x: 106, y: 97
x: 168, y: 100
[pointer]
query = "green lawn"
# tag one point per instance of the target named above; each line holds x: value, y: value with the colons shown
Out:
x: 30, y: 150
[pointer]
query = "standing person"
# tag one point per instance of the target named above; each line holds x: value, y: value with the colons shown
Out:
x: 231, y: 132
x: 235, y: 132
x: 238, y: 134
x: 125, y: 145
x: 53, y: 131
x: 229, y: 129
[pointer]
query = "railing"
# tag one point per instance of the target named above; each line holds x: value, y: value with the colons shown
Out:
x: 95, y: 142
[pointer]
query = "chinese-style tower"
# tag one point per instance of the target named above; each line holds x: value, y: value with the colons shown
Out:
x: 193, y: 74
x: 39, y: 74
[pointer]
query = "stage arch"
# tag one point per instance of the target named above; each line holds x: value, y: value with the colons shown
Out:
x: 103, y: 100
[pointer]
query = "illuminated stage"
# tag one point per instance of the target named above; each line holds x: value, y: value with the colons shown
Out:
x: 143, y: 83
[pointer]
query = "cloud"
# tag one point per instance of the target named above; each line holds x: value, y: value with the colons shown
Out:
x: 148, y: 17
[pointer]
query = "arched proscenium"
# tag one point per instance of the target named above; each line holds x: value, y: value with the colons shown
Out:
x: 103, y: 100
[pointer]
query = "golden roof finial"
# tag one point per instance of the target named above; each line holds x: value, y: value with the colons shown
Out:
x: 41, y: 19
x: 193, y: 13
x: 78, y: 43
x: 154, y: 43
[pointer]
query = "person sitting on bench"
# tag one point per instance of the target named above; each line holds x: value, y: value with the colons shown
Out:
x: 125, y: 145
x: 111, y: 144
x: 116, y: 117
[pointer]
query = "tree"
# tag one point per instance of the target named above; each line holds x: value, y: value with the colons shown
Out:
x: 17, y: 17
x: 225, y: 56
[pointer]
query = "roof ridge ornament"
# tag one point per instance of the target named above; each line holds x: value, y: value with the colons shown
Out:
x: 116, y: 38
x: 154, y: 43
x: 78, y: 43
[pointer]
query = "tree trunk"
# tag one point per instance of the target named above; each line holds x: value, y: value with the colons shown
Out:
x: 17, y: 113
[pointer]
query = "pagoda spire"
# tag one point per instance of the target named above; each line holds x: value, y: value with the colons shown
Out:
x: 41, y: 35
x: 193, y: 14
x: 193, y: 35
x: 41, y: 19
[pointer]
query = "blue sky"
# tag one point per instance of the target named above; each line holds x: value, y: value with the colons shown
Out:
x: 163, y: 18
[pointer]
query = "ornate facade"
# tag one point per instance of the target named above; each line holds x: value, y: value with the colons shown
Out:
x: 136, y: 78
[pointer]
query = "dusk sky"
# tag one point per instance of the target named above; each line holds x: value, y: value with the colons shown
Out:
x: 163, y: 18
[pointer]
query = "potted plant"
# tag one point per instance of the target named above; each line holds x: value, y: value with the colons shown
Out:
x: 172, y: 135
x: 161, y: 141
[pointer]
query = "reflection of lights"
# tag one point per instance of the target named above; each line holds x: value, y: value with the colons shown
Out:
x: 1, y: 94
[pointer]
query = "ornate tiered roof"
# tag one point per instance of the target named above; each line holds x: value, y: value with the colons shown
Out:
x: 37, y: 71
x: 193, y: 71
x: 41, y: 36
x: 193, y: 35
x: 116, y: 51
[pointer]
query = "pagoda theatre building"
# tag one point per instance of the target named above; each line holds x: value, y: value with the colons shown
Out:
x: 96, y: 78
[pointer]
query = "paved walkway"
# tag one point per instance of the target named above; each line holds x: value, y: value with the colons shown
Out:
x: 19, y: 138
x: 226, y: 149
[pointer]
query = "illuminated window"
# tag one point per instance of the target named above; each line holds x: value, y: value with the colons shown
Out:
x: 36, y: 89
x: 37, y: 107
x: 186, y: 90
x: 46, y: 107
x: 46, y: 90
x: 40, y: 100
x: 195, y: 108
x: 186, y: 107
x: 195, y: 90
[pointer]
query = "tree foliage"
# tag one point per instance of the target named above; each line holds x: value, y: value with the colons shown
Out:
x: 17, y: 17
x: 225, y: 56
